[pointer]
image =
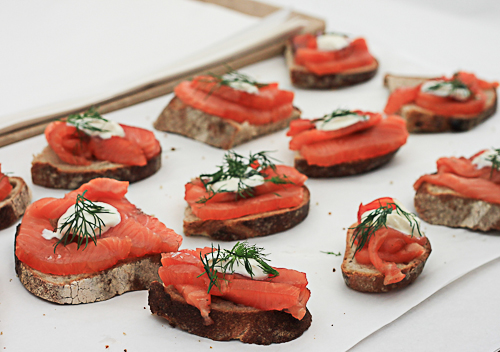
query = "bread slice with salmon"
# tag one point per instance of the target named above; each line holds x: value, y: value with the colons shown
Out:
x: 226, y: 111
x: 89, y: 246
x: 464, y: 192
x: 88, y: 146
x: 345, y: 142
x: 15, y: 196
x: 440, y: 104
x: 247, y: 197
x: 261, y: 305
x: 328, y: 61
x: 385, y: 250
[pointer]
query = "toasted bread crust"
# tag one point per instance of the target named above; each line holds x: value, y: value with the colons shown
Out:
x: 422, y: 120
x: 440, y: 205
x: 48, y: 170
x: 14, y: 205
x: 130, y: 275
x: 343, y: 169
x: 365, y: 278
x: 231, y: 321
x: 249, y: 226
x: 213, y: 130
x: 302, y: 78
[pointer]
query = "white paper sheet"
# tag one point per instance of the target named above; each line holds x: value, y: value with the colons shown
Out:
x: 341, y: 317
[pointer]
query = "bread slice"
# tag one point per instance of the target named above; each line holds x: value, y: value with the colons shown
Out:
x: 213, y: 130
x: 366, y: 278
x: 441, y: 205
x: 130, y: 275
x: 231, y: 321
x: 14, y: 205
x: 342, y: 169
x: 48, y: 170
x: 302, y: 78
x: 249, y: 226
x: 419, y: 119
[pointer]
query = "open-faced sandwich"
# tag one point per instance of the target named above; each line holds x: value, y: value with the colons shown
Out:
x: 87, y: 146
x: 345, y: 142
x: 385, y: 249
x: 441, y: 104
x: 89, y: 246
x: 246, y: 197
x: 225, y: 111
x: 328, y: 61
x: 465, y: 192
x: 231, y: 294
x: 14, y: 198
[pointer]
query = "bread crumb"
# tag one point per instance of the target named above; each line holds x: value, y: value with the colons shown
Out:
x: 124, y: 334
x: 44, y: 314
x: 343, y: 228
x: 329, y: 213
x: 172, y: 149
x: 10, y: 280
x: 390, y: 182
x: 107, y: 346
x: 333, y: 269
x: 317, y: 203
x: 203, y: 158
x: 125, y: 350
x: 161, y: 187
x: 144, y: 307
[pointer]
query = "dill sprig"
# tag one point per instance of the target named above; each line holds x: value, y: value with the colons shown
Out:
x: 337, y: 113
x: 455, y: 83
x: 495, y: 162
x: 332, y: 253
x: 84, y: 120
x: 224, y: 261
x: 78, y: 226
x: 233, y: 76
x: 378, y: 219
x: 242, y: 168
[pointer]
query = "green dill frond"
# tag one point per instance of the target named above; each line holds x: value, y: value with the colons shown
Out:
x: 82, y: 121
x: 495, y: 161
x: 336, y: 113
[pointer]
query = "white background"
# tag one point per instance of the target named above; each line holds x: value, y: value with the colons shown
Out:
x: 407, y: 37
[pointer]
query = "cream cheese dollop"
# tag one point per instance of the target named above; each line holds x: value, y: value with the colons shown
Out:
x: 108, y: 128
x: 442, y: 88
x: 231, y: 184
x: 331, y: 42
x: 239, y: 268
x: 481, y: 160
x: 110, y: 219
x: 399, y: 222
x: 244, y: 86
x: 339, y: 122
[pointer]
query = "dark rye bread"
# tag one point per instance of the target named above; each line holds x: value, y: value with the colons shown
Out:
x: 440, y: 205
x: 249, y: 226
x: 48, y: 170
x: 422, y: 120
x: 14, y: 205
x: 231, y: 321
x: 302, y: 78
x: 130, y: 275
x: 365, y: 278
x: 213, y: 130
x: 342, y: 169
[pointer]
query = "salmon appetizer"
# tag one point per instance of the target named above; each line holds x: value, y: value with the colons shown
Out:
x: 15, y: 196
x: 227, y: 110
x: 441, y: 104
x: 91, y: 231
x: 473, y: 182
x: 345, y: 142
x: 233, y: 202
x: 88, y: 145
x: 385, y: 249
x: 228, y: 288
x: 329, y: 60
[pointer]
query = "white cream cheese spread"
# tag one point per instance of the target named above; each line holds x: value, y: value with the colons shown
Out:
x: 232, y: 184
x: 239, y: 268
x: 98, y: 127
x: 110, y: 218
x: 484, y: 159
x: 329, y: 123
x: 446, y: 89
x: 331, y: 42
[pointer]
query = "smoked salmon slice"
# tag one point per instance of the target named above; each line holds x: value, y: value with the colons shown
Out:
x: 383, y: 138
x: 215, y: 105
x: 129, y: 239
x: 5, y: 186
x: 288, y: 293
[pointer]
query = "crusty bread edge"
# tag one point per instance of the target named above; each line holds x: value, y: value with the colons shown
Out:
x: 216, y: 131
x: 14, y: 205
x: 422, y: 120
x: 302, y: 78
x: 249, y: 226
x: 370, y: 279
x: 129, y: 275
x: 343, y: 169
x: 441, y: 205
x: 48, y: 170
x: 231, y: 321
